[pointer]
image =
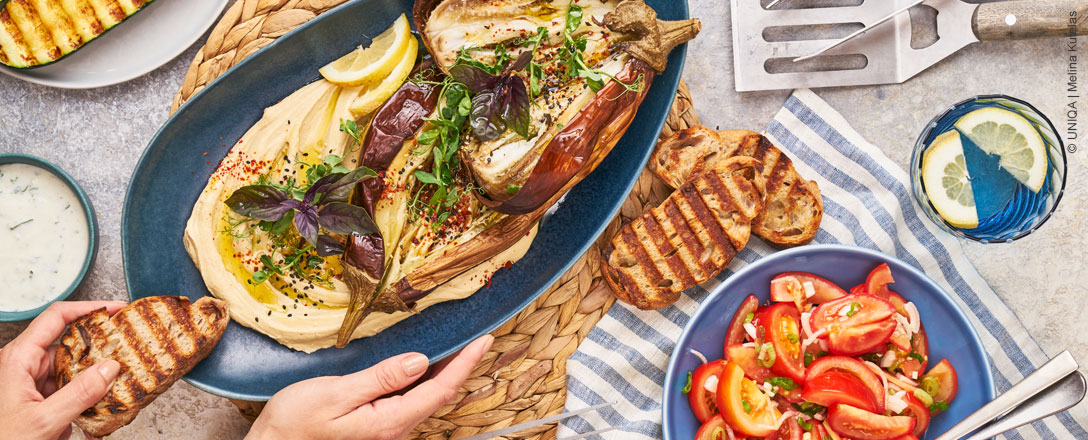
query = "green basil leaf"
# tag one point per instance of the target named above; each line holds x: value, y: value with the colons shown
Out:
x: 574, y: 18
x: 345, y: 218
x: 261, y: 202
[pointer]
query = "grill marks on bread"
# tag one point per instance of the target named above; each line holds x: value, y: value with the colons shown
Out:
x: 156, y: 341
x: 794, y: 208
x: 686, y: 240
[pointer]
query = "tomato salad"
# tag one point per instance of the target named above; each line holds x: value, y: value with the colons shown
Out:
x: 821, y: 363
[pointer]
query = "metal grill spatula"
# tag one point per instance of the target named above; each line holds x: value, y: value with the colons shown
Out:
x: 883, y: 54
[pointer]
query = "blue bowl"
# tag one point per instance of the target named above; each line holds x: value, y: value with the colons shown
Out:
x: 950, y: 334
x: 174, y: 169
x: 92, y: 232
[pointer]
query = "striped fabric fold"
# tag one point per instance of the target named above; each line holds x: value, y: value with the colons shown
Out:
x: 867, y: 202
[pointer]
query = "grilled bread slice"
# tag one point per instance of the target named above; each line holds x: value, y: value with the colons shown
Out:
x: 156, y: 340
x: 38, y: 32
x: 686, y: 240
x: 794, y: 208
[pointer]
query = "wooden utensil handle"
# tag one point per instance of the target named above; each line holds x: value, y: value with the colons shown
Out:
x: 1021, y: 19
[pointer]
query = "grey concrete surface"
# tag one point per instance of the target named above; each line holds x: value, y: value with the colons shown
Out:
x: 98, y: 135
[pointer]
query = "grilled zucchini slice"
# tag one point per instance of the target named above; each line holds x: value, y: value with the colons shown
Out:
x: 38, y: 32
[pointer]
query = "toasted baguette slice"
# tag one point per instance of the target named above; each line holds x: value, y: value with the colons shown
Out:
x: 686, y: 153
x: 794, y: 208
x: 156, y: 340
x: 686, y: 240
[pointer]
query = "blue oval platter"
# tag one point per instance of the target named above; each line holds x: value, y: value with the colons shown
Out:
x: 950, y: 334
x: 174, y: 169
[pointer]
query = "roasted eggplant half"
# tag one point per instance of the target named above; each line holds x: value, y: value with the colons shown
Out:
x: 521, y: 101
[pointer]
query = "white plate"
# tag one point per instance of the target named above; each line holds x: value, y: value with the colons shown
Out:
x: 150, y: 38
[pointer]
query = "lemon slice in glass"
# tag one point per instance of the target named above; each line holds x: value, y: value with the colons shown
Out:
x: 1012, y: 137
x: 370, y: 65
x: 372, y: 98
x: 948, y: 186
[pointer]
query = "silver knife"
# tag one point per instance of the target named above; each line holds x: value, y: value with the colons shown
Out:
x: 544, y: 421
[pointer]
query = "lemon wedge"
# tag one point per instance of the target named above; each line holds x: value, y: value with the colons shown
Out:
x: 1013, y: 138
x: 948, y: 186
x: 371, y: 98
x: 365, y: 66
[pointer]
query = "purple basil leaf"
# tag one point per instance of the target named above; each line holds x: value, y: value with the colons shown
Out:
x: 261, y: 202
x: 515, y: 106
x: 328, y: 246
x: 486, y: 117
x: 345, y: 218
x: 337, y: 187
x: 306, y: 224
x: 475, y: 78
x: 520, y: 63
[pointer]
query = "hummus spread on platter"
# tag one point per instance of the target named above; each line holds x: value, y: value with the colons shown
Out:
x: 301, y: 312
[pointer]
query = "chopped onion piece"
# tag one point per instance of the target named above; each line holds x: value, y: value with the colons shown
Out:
x: 895, y: 402
x: 749, y: 345
x: 818, y: 416
x: 711, y: 384
x: 810, y: 290
x: 906, y: 379
x: 914, y: 375
x: 812, y: 338
x: 915, y: 319
x: 888, y: 359
x: 806, y: 324
x: 697, y: 354
x: 902, y: 322
x: 751, y: 330
x: 729, y: 430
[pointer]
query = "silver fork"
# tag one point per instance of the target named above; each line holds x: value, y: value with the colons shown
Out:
x: 1053, y: 388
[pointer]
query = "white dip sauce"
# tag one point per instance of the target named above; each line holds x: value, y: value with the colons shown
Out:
x: 43, y: 237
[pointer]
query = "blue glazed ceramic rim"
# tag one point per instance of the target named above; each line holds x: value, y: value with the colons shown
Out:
x: 927, y: 205
x: 704, y: 308
x: 92, y: 229
x: 680, y: 54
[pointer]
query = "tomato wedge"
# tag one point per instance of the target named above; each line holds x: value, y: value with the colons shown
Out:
x: 736, y: 333
x: 945, y: 376
x: 782, y: 323
x: 860, y: 424
x: 850, y: 311
x: 860, y: 339
x: 917, y: 410
x: 713, y: 429
x: 920, y: 346
x: 789, y: 287
x: 790, y: 430
x: 855, y: 367
x: 835, y: 387
x: 702, y: 399
x: 877, y: 281
x: 743, y: 405
x: 747, y: 359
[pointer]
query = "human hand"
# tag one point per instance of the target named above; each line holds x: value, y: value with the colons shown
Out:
x: 31, y: 406
x: 345, y: 407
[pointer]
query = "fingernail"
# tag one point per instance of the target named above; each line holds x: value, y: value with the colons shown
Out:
x: 414, y: 364
x: 486, y: 344
x: 109, y: 369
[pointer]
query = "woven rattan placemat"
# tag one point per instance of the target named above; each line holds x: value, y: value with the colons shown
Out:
x: 523, y: 378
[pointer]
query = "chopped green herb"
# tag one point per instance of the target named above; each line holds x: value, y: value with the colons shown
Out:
x: 917, y: 356
x: 854, y: 307
x: 20, y: 224
x: 931, y: 385
x: 809, y: 359
x: 766, y: 355
x: 808, y: 408
x: 747, y: 406
x: 783, y: 383
x: 792, y: 338
x: 512, y: 189
x: 749, y: 317
x: 687, y: 386
x: 938, y: 406
x: 804, y: 425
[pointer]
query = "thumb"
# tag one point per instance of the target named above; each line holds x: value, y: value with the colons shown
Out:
x: 386, y: 377
x: 81, y: 393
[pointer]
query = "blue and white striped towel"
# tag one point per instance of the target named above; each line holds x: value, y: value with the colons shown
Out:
x: 867, y: 202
